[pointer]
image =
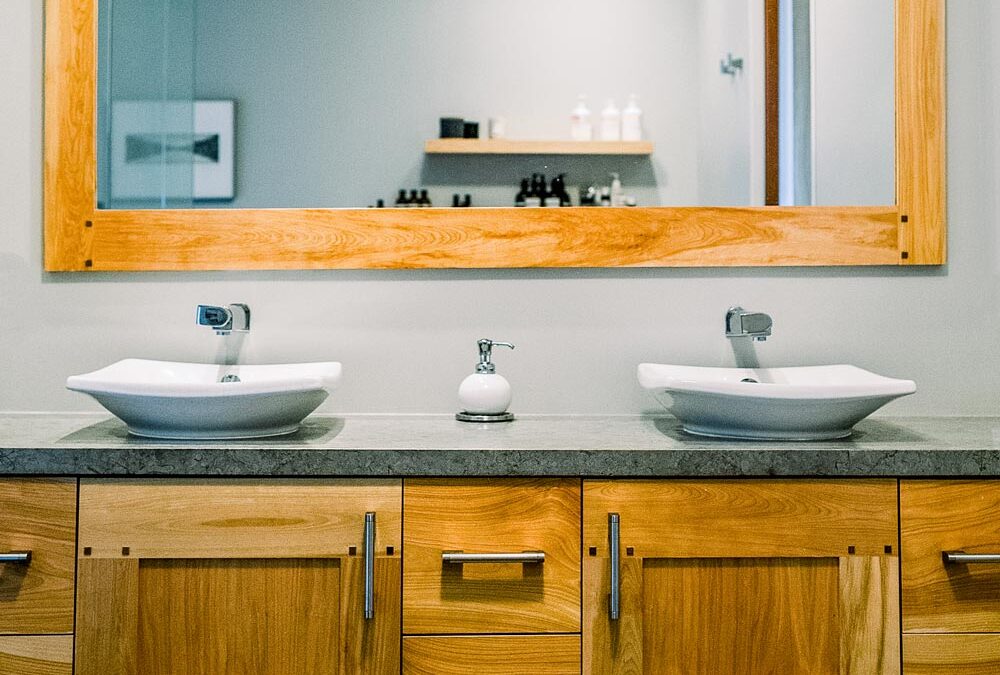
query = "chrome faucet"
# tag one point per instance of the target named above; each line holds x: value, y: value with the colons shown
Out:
x: 225, y: 320
x: 741, y: 323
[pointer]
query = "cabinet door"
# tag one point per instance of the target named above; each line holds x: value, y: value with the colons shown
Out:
x: 36, y: 654
x: 38, y: 516
x: 254, y: 577
x: 741, y: 577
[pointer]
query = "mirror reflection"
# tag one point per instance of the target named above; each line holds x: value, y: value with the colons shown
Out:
x: 323, y: 103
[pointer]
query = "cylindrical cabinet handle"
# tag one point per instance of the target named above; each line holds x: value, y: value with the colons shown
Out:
x: 16, y: 557
x: 460, y: 558
x: 963, y: 558
x: 369, y: 544
x: 614, y: 542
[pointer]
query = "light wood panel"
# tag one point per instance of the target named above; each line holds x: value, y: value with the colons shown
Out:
x: 938, y: 516
x: 235, y: 518
x: 969, y: 654
x: 491, y: 516
x: 38, y: 515
x: 475, y: 146
x: 486, y: 238
x: 741, y: 615
x: 107, y: 621
x: 492, y: 655
x: 921, y: 179
x: 698, y: 518
x: 743, y: 576
x: 240, y: 617
x: 370, y: 647
x: 36, y: 655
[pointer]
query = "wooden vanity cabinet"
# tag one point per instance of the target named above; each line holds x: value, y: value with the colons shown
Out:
x: 36, y: 592
x: 235, y: 576
x: 951, y: 605
x: 740, y: 576
x: 487, y: 615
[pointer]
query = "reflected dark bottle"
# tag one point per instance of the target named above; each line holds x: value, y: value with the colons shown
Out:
x: 456, y: 201
x: 522, y: 195
x: 401, y: 201
x: 424, y: 201
x: 534, y: 198
x: 414, y: 201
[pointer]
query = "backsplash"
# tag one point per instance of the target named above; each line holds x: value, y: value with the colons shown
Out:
x: 407, y: 339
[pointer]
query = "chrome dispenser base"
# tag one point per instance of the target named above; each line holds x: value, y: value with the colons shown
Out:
x: 477, y: 417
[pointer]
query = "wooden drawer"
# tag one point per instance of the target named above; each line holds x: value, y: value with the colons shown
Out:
x: 38, y: 516
x: 491, y: 516
x: 943, y: 516
x: 944, y: 654
x: 492, y: 655
x: 36, y: 654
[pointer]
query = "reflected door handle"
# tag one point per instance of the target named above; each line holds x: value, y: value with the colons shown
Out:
x: 461, y: 558
x: 963, y: 558
x: 16, y: 557
x: 369, y: 555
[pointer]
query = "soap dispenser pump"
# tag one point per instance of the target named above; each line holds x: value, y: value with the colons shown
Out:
x: 484, y: 395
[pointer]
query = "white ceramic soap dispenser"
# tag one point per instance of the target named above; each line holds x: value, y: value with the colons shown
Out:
x: 484, y: 396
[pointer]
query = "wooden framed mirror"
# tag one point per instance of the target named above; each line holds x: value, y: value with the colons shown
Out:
x: 79, y: 236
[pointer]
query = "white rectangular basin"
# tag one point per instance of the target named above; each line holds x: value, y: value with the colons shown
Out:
x: 799, y: 403
x: 168, y: 399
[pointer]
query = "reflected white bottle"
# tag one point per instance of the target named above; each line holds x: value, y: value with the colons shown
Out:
x: 632, y: 120
x: 581, y: 128
x: 611, y: 122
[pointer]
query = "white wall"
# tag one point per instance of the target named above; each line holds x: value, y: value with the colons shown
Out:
x: 407, y: 338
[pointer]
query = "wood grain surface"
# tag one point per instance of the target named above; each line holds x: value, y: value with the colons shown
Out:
x: 699, y: 518
x: 36, y: 655
x: 317, y: 238
x: 943, y: 654
x: 491, y: 516
x: 39, y: 515
x: 492, y: 655
x: 921, y: 176
x: 235, y: 518
x: 939, y: 516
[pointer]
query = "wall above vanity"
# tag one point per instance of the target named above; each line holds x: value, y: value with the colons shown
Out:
x: 715, y: 223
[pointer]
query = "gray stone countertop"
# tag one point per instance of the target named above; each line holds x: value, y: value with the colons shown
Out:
x: 532, y: 445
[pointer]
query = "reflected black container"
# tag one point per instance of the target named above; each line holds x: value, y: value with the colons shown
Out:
x: 471, y: 130
x: 452, y: 127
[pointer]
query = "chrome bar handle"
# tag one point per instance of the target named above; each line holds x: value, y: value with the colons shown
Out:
x: 16, y: 557
x: 963, y: 558
x: 614, y: 543
x: 462, y: 558
x: 369, y: 545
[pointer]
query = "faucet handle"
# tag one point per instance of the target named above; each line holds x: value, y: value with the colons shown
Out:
x: 235, y: 317
x: 741, y: 323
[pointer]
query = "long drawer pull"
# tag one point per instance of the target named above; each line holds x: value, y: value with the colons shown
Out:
x: 614, y: 543
x: 369, y: 545
x: 963, y: 558
x: 16, y: 557
x: 523, y: 558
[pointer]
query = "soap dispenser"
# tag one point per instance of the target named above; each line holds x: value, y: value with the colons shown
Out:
x: 484, y: 395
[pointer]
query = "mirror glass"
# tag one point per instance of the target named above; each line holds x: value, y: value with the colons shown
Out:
x: 326, y: 103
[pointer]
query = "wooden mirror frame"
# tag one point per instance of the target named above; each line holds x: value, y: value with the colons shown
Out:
x: 80, y: 237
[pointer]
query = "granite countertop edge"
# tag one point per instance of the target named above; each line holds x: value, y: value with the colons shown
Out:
x: 388, y: 446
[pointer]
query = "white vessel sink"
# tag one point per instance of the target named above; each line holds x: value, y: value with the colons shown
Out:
x: 807, y: 403
x: 166, y: 399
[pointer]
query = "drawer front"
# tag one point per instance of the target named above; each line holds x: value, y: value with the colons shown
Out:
x: 943, y: 654
x: 36, y: 654
x: 492, y: 655
x: 491, y: 516
x: 38, y: 516
x: 950, y: 516
x: 235, y: 518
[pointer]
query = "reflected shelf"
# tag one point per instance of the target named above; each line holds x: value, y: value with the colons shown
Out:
x: 477, y: 146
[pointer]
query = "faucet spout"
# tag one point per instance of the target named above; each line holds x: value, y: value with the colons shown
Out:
x: 741, y: 323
